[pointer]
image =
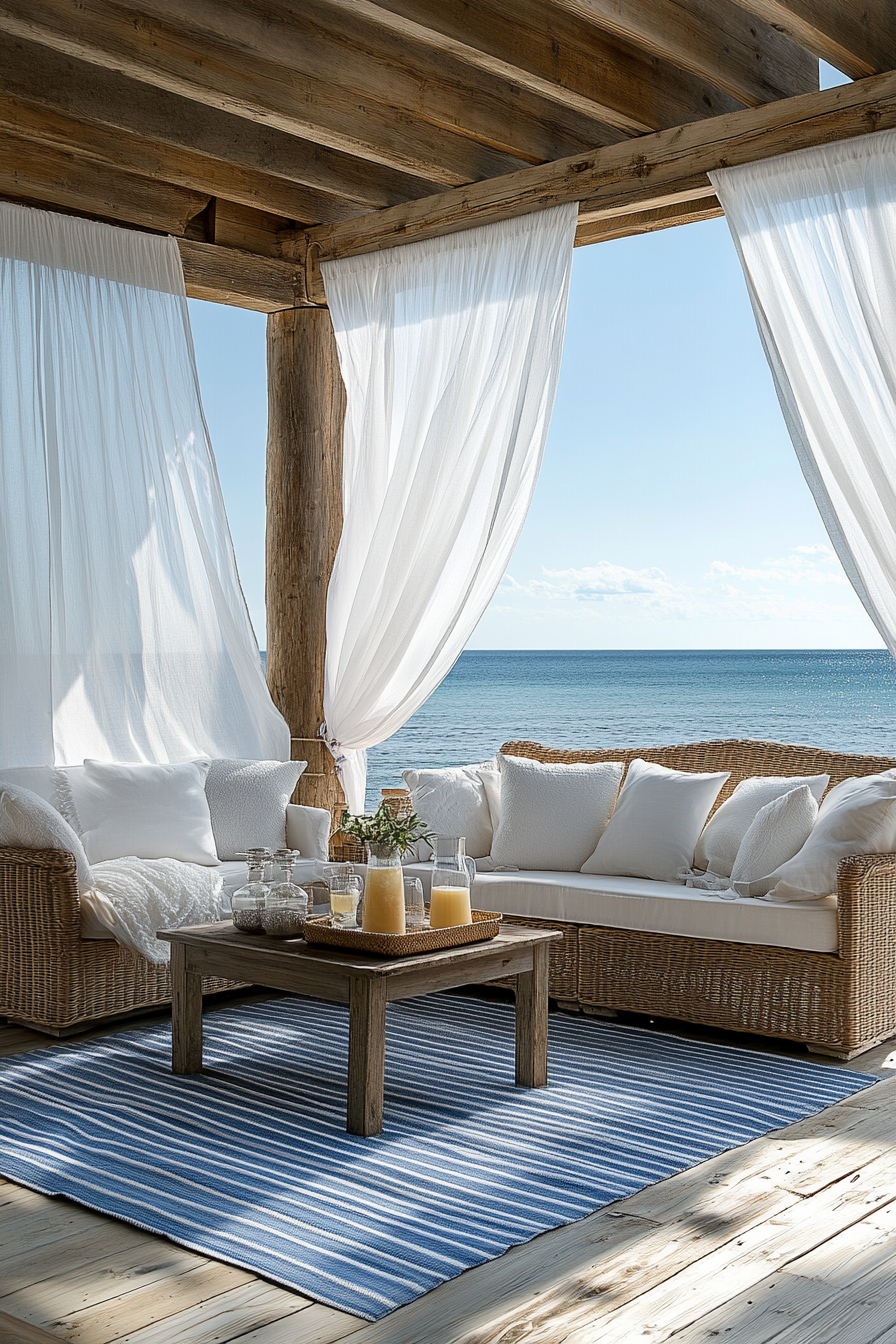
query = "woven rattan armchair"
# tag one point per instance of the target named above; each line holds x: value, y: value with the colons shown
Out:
x: 50, y: 977
x: 838, y: 1003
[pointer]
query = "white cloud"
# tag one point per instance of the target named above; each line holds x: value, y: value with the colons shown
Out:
x: 807, y: 585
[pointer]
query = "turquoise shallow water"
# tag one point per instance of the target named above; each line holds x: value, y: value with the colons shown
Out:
x: 843, y: 699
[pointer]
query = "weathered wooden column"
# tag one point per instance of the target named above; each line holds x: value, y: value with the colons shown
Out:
x: 306, y: 409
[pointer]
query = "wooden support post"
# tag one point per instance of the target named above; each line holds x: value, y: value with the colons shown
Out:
x: 306, y: 409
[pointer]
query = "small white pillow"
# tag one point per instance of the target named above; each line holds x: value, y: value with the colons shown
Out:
x: 28, y: 820
x: 552, y: 815
x: 777, y: 832
x: 724, y: 833
x: 453, y: 801
x: 857, y: 817
x: 145, y: 811
x: 308, y: 830
x: 656, y: 824
x: 247, y: 801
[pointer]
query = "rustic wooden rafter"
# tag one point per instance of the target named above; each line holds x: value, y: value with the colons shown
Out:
x: 331, y: 182
x: 652, y: 172
x: 647, y: 221
x: 856, y: 36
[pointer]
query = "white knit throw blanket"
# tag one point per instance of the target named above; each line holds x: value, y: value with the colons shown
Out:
x: 137, y: 897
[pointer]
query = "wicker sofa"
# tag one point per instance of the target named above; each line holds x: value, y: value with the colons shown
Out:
x: 838, y: 1003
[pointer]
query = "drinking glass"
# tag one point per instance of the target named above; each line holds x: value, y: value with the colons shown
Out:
x: 414, y: 909
x: 345, y: 893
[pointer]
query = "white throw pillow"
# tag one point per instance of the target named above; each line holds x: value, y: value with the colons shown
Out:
x: 724, y: 833
x: 247, y: 801
x: 857, y: 817
x: 777, y: 832
x: 453, y: 801
x: 28, y: 820
x: 657, y: 822
x: 49, y: 782
x: 145, y: 811
x: 552, y: 815
x: 308, y: 830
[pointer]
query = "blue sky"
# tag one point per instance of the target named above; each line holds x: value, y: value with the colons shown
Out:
x: 670, y: 511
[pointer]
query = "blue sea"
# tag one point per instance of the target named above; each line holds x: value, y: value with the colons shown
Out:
x: 842, y: 699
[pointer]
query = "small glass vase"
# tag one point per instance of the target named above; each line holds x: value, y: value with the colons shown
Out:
x: 286, y: 905
x: 383, y: 907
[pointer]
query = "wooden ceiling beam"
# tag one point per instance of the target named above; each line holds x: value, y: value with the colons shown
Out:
x: 50, y: 176
x: 240, y: 279
x: 328, y: 178
x: 654, y: 171
x: 246, y: 59
x: 714, y: 39
x: 534, y: 47
x: 855, y: 36
x: 647, y: 221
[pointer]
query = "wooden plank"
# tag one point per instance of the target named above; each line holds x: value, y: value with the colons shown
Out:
x: 279, y: 70
x: 316, y: 1325
x: 657, y: 170
x: 225, y: 1317
x: 306, y: 409
x: 124, y: 152
x: 13, y: 1331
x: 26, y: 1265
x: 859, y: 39
x: 42, y: 174
x: 714, y: 39
x: 551, y: 54
x: 647, y: 221
x: 226, y: 275
x: 62, y: 84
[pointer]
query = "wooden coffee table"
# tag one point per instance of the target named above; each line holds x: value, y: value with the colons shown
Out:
x: 366, y: 983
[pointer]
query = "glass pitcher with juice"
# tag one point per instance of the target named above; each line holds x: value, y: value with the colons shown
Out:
x: 452, y: 875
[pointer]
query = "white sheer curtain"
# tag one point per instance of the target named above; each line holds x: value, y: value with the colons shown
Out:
x: 816, y: 233
x: 450, y: 351
x: 124, y: 634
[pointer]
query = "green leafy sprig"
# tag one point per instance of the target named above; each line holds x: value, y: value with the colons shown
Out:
x: 382, y: 830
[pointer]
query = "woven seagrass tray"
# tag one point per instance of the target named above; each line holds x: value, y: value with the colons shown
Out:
x: 484, y: 927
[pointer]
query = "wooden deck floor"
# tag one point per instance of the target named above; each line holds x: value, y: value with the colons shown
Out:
x: 791, y: 1239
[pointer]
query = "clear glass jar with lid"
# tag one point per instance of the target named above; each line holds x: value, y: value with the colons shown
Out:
x: 286, y: 904
x: 248, y: 902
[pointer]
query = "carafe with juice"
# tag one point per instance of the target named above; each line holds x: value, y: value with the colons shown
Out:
x: 383, y: 907
x: 452, y: 874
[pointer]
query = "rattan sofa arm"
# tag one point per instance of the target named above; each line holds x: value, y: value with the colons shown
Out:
x: 39, y: 905
x: 866, y: 912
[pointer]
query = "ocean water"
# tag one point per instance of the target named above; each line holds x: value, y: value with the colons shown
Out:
x: 841, y: 699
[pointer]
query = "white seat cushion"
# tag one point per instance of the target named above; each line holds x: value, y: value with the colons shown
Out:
x: 655, y: 907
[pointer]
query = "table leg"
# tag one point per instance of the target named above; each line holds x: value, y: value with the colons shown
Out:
x: 186, y: 1014
x: 366, y: 1055
x: 532, y: 1020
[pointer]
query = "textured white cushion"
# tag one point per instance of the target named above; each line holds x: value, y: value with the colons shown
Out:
x: 655, y: 907
x: 247, y: 801
x: 453, y: 801
x: 777, y: 832
x: 28, y: 820
x: 724, y: 832
x: 308, y: 831
x: 857, y: 817
x: 552, y: 815
x: 145, y: 812
x: 657, y: 822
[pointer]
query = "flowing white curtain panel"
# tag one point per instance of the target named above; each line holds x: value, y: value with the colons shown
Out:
x: 450, y: 351
x: 816, y: 233
x: 124, y: 634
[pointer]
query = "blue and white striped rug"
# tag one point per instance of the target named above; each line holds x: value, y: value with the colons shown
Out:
x: 250, y: 1163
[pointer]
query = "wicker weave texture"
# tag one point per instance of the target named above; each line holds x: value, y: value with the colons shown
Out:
x: 563, y: 969
x: 49, y: 975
